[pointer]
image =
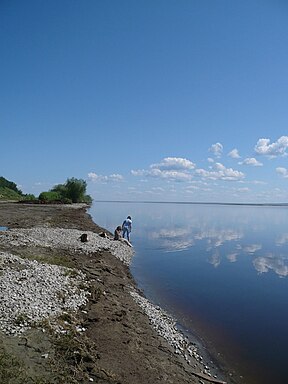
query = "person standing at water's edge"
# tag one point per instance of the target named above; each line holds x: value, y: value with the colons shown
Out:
x: 127, y: 227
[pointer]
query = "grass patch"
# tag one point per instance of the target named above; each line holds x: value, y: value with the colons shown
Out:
x: 12, y: 371
x: 74, y: 352
x: 8, y: 194
x: 46, y: 256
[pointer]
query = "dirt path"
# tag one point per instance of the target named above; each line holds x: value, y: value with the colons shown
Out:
x: 118, y: 344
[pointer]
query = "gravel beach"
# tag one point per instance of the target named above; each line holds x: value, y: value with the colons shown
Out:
x: 70, y: 312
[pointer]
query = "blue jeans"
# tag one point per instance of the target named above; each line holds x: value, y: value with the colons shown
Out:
x: 127, y: 232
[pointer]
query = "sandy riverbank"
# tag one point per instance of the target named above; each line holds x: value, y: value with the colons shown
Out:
x: 113, y: 336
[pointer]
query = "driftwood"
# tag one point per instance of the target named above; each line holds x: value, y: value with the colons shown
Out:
x: 208, y: 378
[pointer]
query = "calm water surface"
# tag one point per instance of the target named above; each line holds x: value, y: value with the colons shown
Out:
x: 221, y: 271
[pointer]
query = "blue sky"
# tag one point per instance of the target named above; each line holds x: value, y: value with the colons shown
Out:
x: 178, y: 100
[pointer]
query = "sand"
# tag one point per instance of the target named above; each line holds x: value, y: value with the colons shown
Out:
x: 117, y: 336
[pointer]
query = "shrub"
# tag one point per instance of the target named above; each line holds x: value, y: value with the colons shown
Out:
x: 9, y: 194
x: 87, y: 199
x: 49, y: 196
x: 29, y: 197
x: 4, y: 183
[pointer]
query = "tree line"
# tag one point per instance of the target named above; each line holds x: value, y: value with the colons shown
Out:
x: 72, y: 191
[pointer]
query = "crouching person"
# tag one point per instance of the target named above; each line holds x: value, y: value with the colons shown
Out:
x: 118, y: 236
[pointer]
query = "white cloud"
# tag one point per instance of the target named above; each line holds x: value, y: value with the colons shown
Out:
x: 157, y: 190
x: 178, y: 169
x: 216, y: 149
x: 168, y: 175
x: 252, y: 161
x: 104, y: 179
x: 192, y: 188
x: 258, y: 182
x: 263, y: 147
x: 170, y: 168
x: 138, y: 172
x: 244, y: 189
x: 220, y: 172
x: 174, y: 163
x: 282, y: 172
x: 234, y: 154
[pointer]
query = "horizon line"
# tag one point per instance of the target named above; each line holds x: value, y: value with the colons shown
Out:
x: 188, y: 202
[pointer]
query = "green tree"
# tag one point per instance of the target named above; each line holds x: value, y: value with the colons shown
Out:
x: 74, y: 190
x: 61, y: 189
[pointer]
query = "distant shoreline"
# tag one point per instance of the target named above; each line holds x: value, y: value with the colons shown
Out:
x: 192, y: 203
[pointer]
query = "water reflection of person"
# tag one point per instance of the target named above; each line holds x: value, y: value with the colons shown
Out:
x: 118, y: 236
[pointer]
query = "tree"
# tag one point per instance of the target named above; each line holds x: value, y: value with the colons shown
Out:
x: 74, y: 190
x: 60, y: 189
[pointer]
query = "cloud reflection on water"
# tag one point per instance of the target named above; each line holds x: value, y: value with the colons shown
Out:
x: 172, y: 240
x: 224, y: 244
x: 274, y: 263
x: 252, y: 248
x: 215, y: 259
x: 232, y: 257
x: 282, y: 239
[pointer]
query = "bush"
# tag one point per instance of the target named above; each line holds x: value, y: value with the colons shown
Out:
x: 87, y: 199
x: 9, y: 194
x: 29, y: 197
x: 65, y: 200
x: 4, y: 183
x: 49, y: 196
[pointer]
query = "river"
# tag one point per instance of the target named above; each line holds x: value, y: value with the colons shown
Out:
x: 221, y: 271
